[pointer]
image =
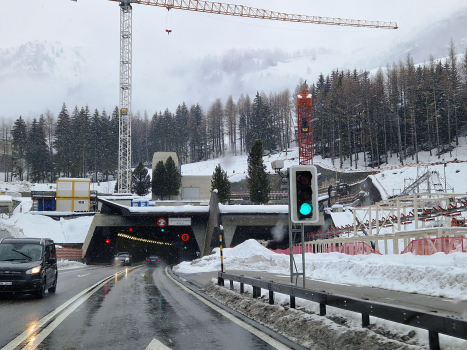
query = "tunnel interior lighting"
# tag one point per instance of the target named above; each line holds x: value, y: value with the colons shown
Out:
x: 133, y: 238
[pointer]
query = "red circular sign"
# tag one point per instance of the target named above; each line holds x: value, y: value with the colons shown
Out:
x: 185, y: 237
x: 161, y: 222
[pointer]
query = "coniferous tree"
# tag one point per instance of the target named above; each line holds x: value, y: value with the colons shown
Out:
x: 257, y: 179
x: 159, y: 181
x: 244, y: 111
x: 173, y: 178
x: 19, y: 142
x: 215, y: 128
x: 141, y: 180
x: 260, y: 126
x: 230, y: 112
x: 197, y: 141
x: 63, y: 143
x: 181, y: 132
x: 221, y: 183
x: 37, y: 152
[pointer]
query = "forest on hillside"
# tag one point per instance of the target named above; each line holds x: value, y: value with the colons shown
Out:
x: 401, y: 109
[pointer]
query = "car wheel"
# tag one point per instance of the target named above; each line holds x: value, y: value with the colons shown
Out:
x: 40, y: 293
x: 54, y: 287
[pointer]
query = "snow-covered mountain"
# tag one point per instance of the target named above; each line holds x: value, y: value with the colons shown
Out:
x: 42, y: 75
x: 41, y: 60
x: 432, y: 40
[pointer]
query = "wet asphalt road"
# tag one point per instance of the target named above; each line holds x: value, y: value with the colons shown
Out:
x: 131, y: 310
x: 4, y: 234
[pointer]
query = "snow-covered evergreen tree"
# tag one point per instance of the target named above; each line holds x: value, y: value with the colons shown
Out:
x: 220, y: 183
x: 257, y: 179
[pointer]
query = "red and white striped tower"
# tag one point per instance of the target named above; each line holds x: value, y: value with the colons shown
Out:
x: 305, y: 128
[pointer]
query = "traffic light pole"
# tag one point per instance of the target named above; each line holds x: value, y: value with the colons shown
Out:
x: 293, y: 230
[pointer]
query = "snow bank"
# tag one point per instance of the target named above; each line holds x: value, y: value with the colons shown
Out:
x: 436, y: 275
x: 23, y: 224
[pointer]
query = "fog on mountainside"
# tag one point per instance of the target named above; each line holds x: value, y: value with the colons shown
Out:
x: 431, y: 40
x: 40, y: 75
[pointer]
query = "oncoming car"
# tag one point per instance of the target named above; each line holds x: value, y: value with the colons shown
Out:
x: 123, y: 258
x: 28, y: 265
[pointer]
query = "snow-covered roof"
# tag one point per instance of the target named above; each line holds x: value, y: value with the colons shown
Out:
x: 188, y: 209
x: 5, y: 199
x: 74, y: 179
x: 185, y: 209
x: 252, y: 209
x: 342, y: 218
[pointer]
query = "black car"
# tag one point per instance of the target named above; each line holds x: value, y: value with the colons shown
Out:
x: 28, y: 265
x: 153, y: 260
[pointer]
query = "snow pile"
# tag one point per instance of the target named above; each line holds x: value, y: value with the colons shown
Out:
x: 64, y: 264
x: 435, y: 275
x: 23, y: 224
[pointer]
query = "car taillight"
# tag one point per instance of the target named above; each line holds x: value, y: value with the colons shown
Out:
x: 158, y: 259
x: 148, y: 259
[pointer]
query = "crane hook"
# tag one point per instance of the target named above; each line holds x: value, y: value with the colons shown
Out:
x: 167, y: 19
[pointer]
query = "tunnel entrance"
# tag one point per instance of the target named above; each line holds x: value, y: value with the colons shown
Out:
x: 173, y: 244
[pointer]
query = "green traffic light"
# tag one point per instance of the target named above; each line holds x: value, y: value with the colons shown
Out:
x: 305, y: 209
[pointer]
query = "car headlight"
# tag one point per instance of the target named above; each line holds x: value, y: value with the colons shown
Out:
x: 127, y: 259
x: 34, y: 270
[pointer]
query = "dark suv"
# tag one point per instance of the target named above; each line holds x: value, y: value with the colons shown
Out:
x: 28, y: 265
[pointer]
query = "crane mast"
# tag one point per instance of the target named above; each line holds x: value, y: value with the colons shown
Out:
x: 124, y: 121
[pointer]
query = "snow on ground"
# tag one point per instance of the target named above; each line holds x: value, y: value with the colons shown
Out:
x: 435, y: 275
x: 23, y: 224
x: 64, y: 264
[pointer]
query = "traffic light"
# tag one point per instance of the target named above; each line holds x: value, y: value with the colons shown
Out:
x: 107, y: 241
x: 185, y: 238
x: 303, y: 194
x: 305, y: 126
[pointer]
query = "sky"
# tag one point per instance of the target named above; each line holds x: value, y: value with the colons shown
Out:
x: 167, y: 69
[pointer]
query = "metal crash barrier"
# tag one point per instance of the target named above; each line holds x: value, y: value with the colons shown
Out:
x: 433, y: 323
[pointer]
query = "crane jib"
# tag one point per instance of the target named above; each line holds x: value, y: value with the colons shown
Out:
x: 251, y: 12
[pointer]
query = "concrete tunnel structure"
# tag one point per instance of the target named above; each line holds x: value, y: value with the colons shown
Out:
x: 177, y: 233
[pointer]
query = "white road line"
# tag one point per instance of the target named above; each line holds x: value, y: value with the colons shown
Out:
x: 84, y: 275
x: 156, y: 345
x: 266, y: 338
x: 28, y: 332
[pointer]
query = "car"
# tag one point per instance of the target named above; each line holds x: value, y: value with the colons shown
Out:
x: 28, y: 266
x: 123, y: 258
x: 153, y: 260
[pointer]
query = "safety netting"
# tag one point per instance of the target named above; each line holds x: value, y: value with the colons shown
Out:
x: 428, y: 246
x: 352, y: 248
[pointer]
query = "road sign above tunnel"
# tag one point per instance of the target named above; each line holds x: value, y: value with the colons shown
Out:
x: 179, y: 221
x: 161, y: 222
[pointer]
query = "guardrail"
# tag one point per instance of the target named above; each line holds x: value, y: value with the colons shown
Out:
x: 433, y: 323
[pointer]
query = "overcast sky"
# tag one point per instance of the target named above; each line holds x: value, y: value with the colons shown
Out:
x: 92, y: 26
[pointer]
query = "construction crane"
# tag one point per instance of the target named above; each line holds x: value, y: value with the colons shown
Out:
x: 124, y: 143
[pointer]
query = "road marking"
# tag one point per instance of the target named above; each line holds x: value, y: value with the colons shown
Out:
x: 28, y: 332
x: 84, y: 275
x: 156, y: 345
x: 266, y: 338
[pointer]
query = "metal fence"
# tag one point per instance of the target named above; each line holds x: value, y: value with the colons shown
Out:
x: 433, y: 323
